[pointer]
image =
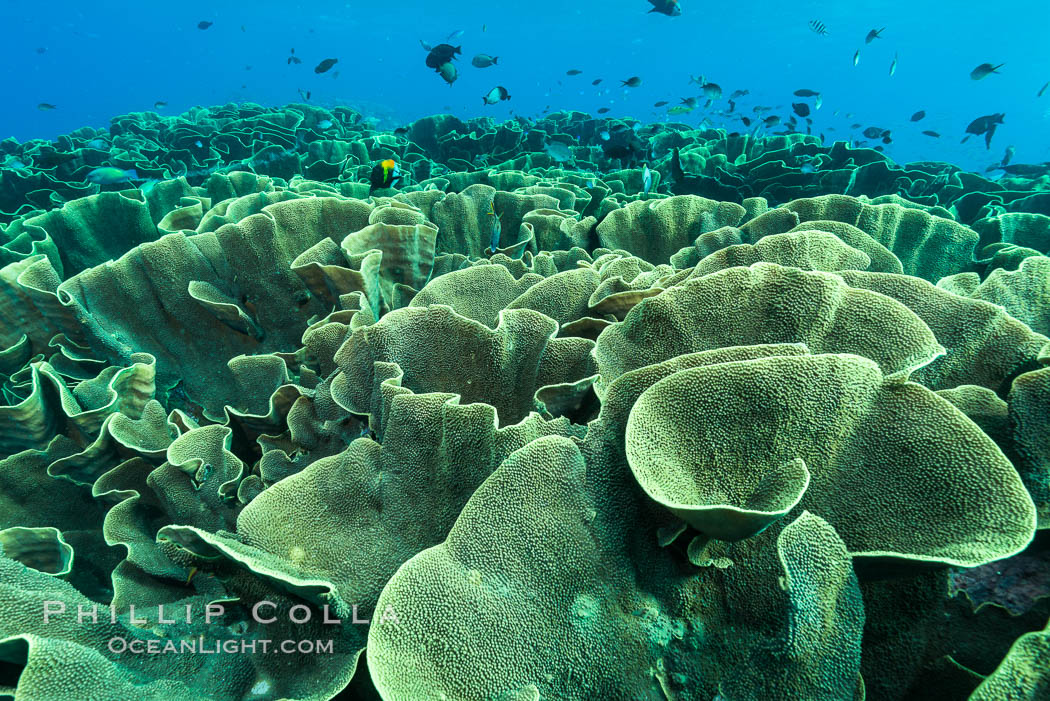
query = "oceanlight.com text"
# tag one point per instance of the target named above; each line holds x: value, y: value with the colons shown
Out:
x: 199, y: 646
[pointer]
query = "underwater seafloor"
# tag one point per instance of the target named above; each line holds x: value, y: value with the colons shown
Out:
x: 778, y: 429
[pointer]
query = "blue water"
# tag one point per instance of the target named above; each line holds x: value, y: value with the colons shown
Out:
x: 111, y: 58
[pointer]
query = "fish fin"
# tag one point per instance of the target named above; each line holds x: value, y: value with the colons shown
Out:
x: 996, y: 69
x: 495, y: 60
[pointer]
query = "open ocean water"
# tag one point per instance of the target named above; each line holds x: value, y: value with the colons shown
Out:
x: 638, y: 350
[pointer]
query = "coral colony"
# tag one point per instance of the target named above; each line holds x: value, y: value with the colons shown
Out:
x: 568, y: 408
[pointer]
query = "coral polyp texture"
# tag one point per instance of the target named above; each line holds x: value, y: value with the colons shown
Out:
x: 517, y: 428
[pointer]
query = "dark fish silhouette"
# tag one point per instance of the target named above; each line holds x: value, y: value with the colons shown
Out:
x: 573, y: 71
x: 661, y: 103
x: 873, y: 35
x: 932, y: 133
x: 806, y: 93
x: 984, y: 70
x: 596, y: 81
x: 484, y: 61
x: 800, y: 108
x: 442, y: 54
x: 918, y: 115
x: 985, y: 125
x: 204, y: 25
x: 46, y: 107
x: 1043, y: 89
x: 632, y: 82
x: 818, y: 27
x: 324, y: 65
x: 603, y: 110
x: 1028, y: 170
x: 874, y: 132
x: 666, y: 7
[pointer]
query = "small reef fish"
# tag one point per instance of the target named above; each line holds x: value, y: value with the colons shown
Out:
x: 448, y: 73
x: 442, y: 54
x: 159, y: 105
x: 454, y: 35
x: 324, y: 65
x: 426, y: 46
x: 41, y: 50
x: 893, y: 66
x: 632, y: 82
x: 497, y: 229
x: 985, y: 125
x: 573, y: 71
x: 932, y: 133
x: 874, y: 132
x: 689, y: 102
x: 108, y: 175
x: 604, y: 135
x: 984, y: 70
x: 603, y: 110
x: 712, y: 91
x: 661, y: 103
x: 666, y: 7
x: 1007, y: 157
x: 324, y: 124
x: 800, y: 108
x: 1028, y: 170
x: 739, y: 93
x: 918, y: 115
x: 856, y: 57
x: 558, y: 151
x: 819, y: 102
x: 1043, y: 89
x: 746, y: 121
x: 818, y: 27
x: 305, y: 94
x: 46, y: 107
x: 495, y: 95
x: 484, y: 61
x: 384, y: 174
x: 294, y: 59
x: 596, y: 81
x: 204, y: 25
x: 771, y: 121
x: 647, y: 180
x: 873, y: 35
x: 680, y: 109
x: 805, y: 93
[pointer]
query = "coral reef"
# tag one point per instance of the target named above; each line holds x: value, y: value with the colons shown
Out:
x: 758, y: 434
